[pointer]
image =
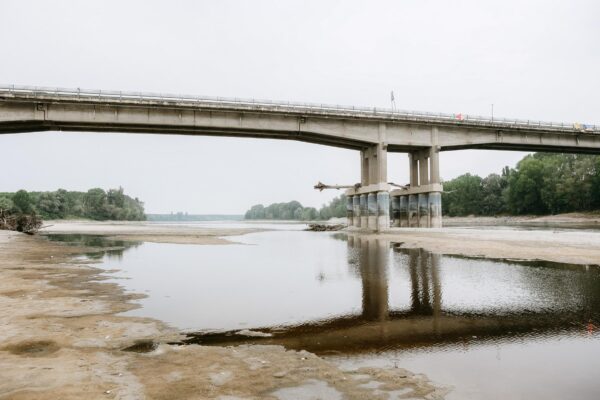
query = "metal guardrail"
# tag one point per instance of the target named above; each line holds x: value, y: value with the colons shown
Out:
x: 45, y: 93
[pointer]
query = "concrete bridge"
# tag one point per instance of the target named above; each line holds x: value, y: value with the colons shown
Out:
x: 372, y: 131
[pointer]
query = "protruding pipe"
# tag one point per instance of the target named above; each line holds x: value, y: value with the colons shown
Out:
x: 423, y: 210
x: 413, y: 211
x: 435, y: 210
x: 356, y: 210
x: 383, y: 210
x: 403, y: 211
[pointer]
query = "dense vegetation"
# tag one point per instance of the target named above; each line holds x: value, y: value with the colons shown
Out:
x: 295, y: 211
x: 18, y: 214
x: 95, y: 204
x: 541, y: 183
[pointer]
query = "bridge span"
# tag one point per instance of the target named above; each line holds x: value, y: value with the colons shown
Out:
x: 373, y: 131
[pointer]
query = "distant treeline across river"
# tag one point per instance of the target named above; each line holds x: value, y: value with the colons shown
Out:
x: 95, y: 204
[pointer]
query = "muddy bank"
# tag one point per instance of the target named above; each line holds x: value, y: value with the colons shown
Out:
x: 61, y: 337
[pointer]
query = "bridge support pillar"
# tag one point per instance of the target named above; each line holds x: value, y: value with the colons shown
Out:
x: 356, y: 210
x: 383, y: 210
x: 422, y: 201
x: 413, y: 211
x: 403, y: 211
x: 395, y: 217
x: 364, y: 216
x: 374, y: 200
x: 435, y: 210
x: 372, y: 211
x: 349, y: 211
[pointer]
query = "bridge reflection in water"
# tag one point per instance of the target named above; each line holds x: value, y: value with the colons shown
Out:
x: 427, y: 321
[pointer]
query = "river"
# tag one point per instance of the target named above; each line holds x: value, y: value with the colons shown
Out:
x: 492, y: 329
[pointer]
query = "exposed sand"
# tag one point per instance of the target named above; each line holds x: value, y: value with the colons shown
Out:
x: 575, y: 246
x: 559, y: 220
x: 146, y: 231
x: 60, y: 338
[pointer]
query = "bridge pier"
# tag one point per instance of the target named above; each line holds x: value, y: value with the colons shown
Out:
x: 373, y: 195
x: 374, y: 207
x: 421, y: 204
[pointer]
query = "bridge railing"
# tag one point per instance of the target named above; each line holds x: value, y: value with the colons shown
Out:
x: 295, y: 107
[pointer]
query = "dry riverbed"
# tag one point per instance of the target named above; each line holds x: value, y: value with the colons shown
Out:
x: 61, y: 338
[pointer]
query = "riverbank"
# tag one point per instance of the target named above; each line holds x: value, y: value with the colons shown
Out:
x: 61, y: 337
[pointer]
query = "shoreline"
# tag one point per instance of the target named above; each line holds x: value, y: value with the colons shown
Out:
x: 61, y: 337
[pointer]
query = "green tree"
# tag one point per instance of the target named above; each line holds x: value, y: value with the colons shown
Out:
x: 22, y: 202
x: 463, y: 196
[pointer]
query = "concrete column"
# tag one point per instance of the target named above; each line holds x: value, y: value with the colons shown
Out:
x: 349, y: 211
x: 423, y: 168
x: 423, y: 210
x: 374, y: 165
x: 383, y: 211
x: 356, y: 210
x: 395, y: 211
x: 413, y: 168
x: 372, y: 211
x: 403, y: 211
x: 364, y: 214
x: 435, y: 210
x: 364, y: 167
x: 434, y: 157
x: 413, y: 211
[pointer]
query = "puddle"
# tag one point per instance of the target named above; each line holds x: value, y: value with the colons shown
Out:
x: 142, y: 346
x: 38, y: 348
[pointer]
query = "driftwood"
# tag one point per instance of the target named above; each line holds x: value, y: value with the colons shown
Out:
x: 325, y: 227
x: 25, y: 223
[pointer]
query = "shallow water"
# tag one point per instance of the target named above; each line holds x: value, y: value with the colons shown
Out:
x: 489, y: 328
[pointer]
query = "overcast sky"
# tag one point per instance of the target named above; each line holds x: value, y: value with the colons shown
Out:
x: 531, y: 59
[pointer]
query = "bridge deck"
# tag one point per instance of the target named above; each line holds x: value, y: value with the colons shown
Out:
x: 31, y: 109
x: 45, y: 94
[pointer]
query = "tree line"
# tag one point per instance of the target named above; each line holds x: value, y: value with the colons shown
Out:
x: 293, y: 210
x: 541, y: 183
x: 96, y: 204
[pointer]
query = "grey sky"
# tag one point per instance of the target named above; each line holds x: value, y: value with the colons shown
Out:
x: 534, y: 59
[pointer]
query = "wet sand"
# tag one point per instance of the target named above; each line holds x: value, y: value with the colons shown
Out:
x: 61, y: 338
